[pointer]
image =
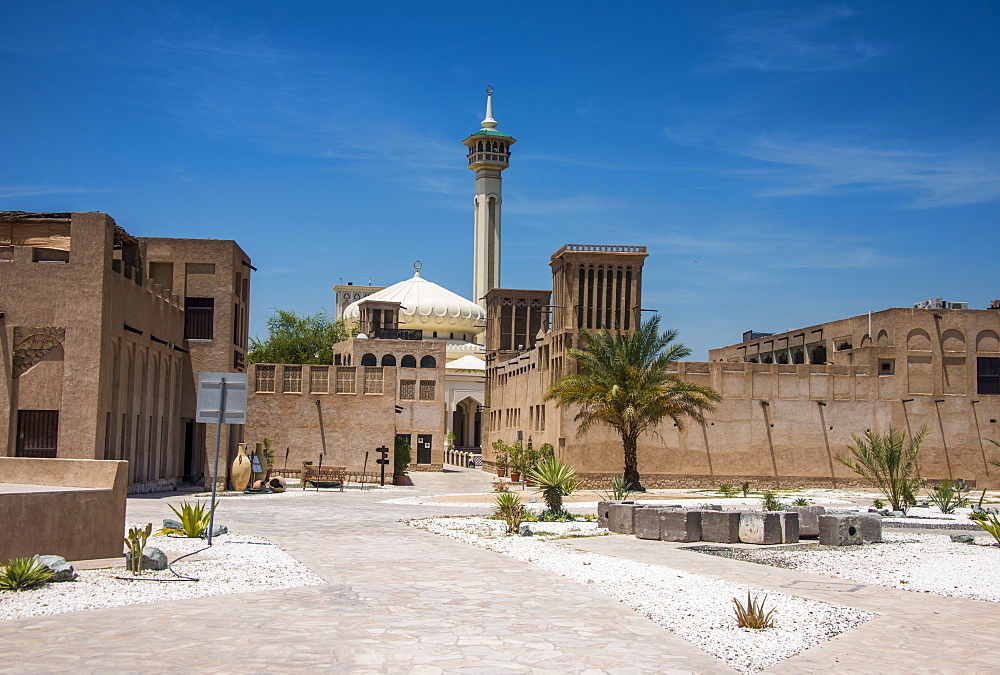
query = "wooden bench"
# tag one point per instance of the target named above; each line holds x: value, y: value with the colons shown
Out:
x: 323, y: 473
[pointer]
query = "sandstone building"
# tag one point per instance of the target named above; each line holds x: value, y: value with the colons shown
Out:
x: 386, y: 382
x: 103, y: 335
x: 791, y: 401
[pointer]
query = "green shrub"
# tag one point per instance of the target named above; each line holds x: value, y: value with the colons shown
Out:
x: 501, y: 454
x: 752, y: 615
x: 889, y: 461
x: 268, y: 453
x: 991, y: 523
x: 135, y: 541
x: 401, y: 456
x: 619, y: 489
x: 770, y: 501
x: 745, y: 486
x: 194, y: 519
x: 947, y: 496
x: 556, y: 479
x: 727, y: 490
x: 510, y: 510
x: 878, y: 504
x: 801, y: 501
x: 21, y: 574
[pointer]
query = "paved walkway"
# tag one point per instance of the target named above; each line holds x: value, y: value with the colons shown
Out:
x: 401, y: 600
x: 916, y: 632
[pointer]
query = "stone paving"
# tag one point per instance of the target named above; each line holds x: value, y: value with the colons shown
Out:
x: 401, y: 600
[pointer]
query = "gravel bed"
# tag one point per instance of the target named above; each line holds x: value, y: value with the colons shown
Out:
x: 927, y: 563
x: 697, y: 608
x: 235, y: 563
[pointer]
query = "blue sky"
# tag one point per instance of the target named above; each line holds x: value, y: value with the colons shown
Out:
x: 785, y: 163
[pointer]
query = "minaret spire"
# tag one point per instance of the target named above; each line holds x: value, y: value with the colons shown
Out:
x: 489, y: 122
x: 489, y: 154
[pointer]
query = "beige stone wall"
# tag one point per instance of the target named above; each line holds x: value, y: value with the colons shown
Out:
x: 75, y: 322
x: 305, y: 414
x: 771, y: 424
x: 100, y: 340
x: 221, y: 270
x: 777, y: 423
x: 77, y: 524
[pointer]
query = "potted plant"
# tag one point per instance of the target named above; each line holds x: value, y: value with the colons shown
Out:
x: 268, y: 459
x: 500, y: 457
x: 515, y: 454
x: 401, y: 457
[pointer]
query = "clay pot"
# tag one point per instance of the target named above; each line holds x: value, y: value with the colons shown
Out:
x: 239, y: 473
x: 515, y: 477
x: 401, y: 480
x: 277, y: 484
x: 501, y: 473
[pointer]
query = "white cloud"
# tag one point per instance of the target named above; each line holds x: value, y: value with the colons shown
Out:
x: 932, y: 179
x: 810, y: 38
x: 7, y: 191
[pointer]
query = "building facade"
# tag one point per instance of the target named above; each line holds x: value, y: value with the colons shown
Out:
x: 212, y: 279
x: 375, y: 390
x: 791, y: 401
x: 98, y: 364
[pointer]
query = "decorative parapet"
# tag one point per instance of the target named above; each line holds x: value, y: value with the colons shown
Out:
x: 601, y: 248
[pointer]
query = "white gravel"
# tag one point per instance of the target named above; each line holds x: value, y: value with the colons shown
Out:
x: 698, y: 608
x: 928, y: 563
x: 235, y: 563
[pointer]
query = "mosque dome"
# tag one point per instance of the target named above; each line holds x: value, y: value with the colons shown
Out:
x: 428, y: 307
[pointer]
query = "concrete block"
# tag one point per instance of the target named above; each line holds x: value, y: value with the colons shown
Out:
x: 647, y: 523
x: 603, y: 510
x: 677, y: 525
x: 871, y: 528
x: 789, y: 527
x: 840, y: 530
x: 760, y: 527
x: 808, y: 520
x: 720, y: 526
x: 621, y: 517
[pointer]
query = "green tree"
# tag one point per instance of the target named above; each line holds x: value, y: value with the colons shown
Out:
x: 889, y: 461
x: 623, y: 383
x: 298, y: 339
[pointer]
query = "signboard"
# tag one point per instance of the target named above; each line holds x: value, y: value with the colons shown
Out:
x: 210, y: 398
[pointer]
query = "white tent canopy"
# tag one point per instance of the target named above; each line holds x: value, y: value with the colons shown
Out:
x: 467, y: 362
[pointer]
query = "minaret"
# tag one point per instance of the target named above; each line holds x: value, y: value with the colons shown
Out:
x: 489, y: 154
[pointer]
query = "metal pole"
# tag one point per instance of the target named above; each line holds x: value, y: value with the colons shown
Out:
x: 215, y: 470
x: 364, y: 470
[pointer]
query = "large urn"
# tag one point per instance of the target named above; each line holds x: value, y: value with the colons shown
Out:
x: 239, y: 474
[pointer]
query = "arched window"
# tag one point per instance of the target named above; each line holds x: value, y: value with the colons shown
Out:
x: 428, y: 362
x: 369, y: 360
x: 388, y: 360
x: 408, y: 362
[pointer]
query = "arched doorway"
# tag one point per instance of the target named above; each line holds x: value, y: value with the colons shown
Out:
x: 467, y: 423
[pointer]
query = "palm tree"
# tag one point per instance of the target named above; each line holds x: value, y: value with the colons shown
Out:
x: 889, y: 461
x: 623, y: 383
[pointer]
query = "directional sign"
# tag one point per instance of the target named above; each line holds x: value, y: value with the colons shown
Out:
x: 210, y: 398
x: 381, y: 461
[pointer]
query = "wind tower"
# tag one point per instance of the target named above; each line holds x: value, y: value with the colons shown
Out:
x: 489, y: 155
